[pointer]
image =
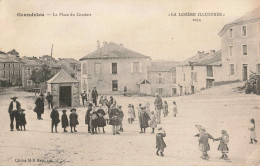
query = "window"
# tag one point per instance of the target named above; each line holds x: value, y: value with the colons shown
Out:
x: 28, y: 71
x: 13, y: 73
x: 85, y: 68
x: 232, y: 69
x: 160, y: 91
x: 194, y: 76
x: 9, y: 73
x: 174, y: 72
x: 173, y: 80
x: 231, y: 49
x: 97, y: 68
x: 209, y: 71
x: 244, y: 49
x: 184, y: 77
x: 244, y: 30
x: 114, y: 85
x: 29, y: 82
x: 230, y: 33
x: 258, y: 68
x: 4, y: 65
x: 160, y: 80
x: 20, y: 72
x: 4, y: 73
x: 13, y: 65
x: 136, y: 67
x: 9, y: 65
x: 114, y: 68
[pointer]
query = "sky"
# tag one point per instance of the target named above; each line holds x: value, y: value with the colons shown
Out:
x: 141, y: 25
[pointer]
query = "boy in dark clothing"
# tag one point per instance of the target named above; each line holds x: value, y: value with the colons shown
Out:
x: 55, y: 119
x: 22, y: 120
x: 73, y: 120
x: 160, y: 144
x: 64, y: 120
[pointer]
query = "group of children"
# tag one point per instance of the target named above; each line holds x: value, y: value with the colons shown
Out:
x: 224, y: 140
x: 73, y: 120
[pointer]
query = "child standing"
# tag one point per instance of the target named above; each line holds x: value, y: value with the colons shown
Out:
x: 160, y: 144
x: 120, y: 117
x: 204, y: 142
x: 224, y: 139
x: 73, y: 120
x: 253, y: 133
x: 55, y: 119
x: 143, y: 119
x: 64, y: 120
x: 165, y: 108
x: 22, y: 120
x: 101, y: 122
x: 130, y: 114
x: 174, y: 109
x: 153, y: 123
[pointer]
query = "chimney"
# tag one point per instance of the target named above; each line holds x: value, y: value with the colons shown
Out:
x: 201, y: 54
x: 104, y: 48
x: 98, y: 45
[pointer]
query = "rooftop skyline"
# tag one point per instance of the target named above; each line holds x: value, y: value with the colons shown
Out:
x: 141, y: 26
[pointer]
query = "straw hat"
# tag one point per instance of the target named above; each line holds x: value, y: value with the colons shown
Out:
x: 73, y: 109
x: 14, y: 97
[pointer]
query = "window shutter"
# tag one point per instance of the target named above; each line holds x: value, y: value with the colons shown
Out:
x: 140, y: 67
x: 118, y: 86
x: 110, y: 68
x: 132, y: 67
x: 235, y: 69
x: 228, y: 70
x: 164, y: 80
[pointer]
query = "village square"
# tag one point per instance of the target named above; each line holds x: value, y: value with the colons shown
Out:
x: 119, y: 106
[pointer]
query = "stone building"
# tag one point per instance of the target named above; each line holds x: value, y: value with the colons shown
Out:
x: 10, y: 70
x: 240, y: 45
x: 27, y: 69
x: 71, y: 66
x: 199, y: 72
x: 162, y: 77
x: 112, y: 67
x: 65, y: 90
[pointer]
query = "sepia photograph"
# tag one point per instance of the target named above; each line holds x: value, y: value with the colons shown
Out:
x: 129, y: 83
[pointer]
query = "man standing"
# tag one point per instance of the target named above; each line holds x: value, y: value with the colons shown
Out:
x: 49, y: 99
x: 158, y: 107
x: 84, y: 97
x: 94, y: 95
x: 39, y: 109
x: 13, y: 112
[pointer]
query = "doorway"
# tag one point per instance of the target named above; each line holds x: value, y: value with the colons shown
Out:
x: 174, y: 91
x: 209, y: 83
x: 244, y: 72
x: 65, y: 96
x: 181, y: 90
x: 192, y: 89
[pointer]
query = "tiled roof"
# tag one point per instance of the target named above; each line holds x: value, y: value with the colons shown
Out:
x: 31, y: 62
x: 248, y: 17
x: 9, y: 59
x: 113, y: 51
x: 162, y: 66
x: 62, y: 77
x: 70, y: 60
x: 210, y: 59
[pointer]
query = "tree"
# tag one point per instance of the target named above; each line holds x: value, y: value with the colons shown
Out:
x: 13, y: 52
x: 41, y: 75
